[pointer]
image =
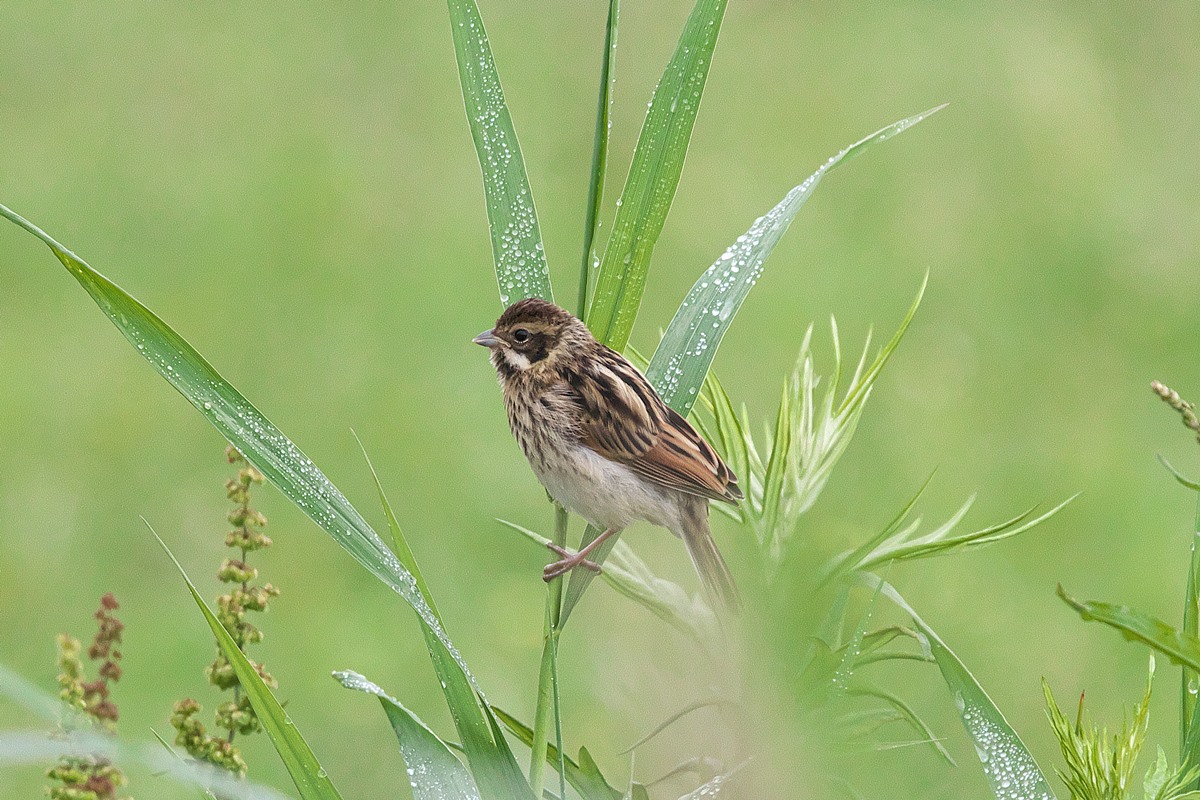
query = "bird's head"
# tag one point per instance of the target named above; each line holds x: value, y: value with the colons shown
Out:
x: 532, y: 334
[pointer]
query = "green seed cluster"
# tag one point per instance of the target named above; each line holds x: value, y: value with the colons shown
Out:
x: 236, y: 715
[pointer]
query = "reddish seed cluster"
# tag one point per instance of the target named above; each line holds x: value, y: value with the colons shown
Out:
x: 90, y: 777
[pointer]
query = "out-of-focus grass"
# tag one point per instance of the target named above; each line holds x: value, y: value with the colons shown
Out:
x: 297, y: 192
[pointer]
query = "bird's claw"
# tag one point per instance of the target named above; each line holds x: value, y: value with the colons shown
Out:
x: 567, y: 563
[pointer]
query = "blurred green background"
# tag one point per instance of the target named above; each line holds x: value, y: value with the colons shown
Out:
x: 293, y: 187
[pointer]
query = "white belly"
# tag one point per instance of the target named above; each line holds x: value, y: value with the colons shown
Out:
x: 607, y: 494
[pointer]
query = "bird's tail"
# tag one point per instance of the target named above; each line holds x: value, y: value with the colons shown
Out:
x: 714, y: 573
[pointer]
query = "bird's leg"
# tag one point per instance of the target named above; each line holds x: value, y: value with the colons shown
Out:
x: 571, y: 560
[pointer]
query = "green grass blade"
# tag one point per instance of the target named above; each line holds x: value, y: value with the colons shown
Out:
x: 862, y: 382
x: 399, y: 543
x: 1191, y: 627
x: 434, y: 772
x: 246, y: 428
x: 302, y: 765
x: 583, y: 775
x: 687, y: 348
x: 521, y: 269
x: 1136, y: 626
x: 653, y: 177
x: 773, y: 479
x: 544, y: 711
x: 591, y: 221
x: 671, y: 720
x: 548, y: 709
x: 848, y: 560
x: 1010, y: 768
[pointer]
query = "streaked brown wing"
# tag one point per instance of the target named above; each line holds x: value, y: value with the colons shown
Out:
x: 626, y: 421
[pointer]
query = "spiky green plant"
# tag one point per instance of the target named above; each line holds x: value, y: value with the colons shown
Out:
x: 1100, y: 766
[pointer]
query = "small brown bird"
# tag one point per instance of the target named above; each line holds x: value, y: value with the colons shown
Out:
x: 601, y: 440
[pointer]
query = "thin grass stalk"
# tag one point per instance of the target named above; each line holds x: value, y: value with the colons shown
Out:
x: 547, y: 694
x: 548, y: 676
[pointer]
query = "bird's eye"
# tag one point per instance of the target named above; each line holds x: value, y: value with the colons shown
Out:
x: 521, y: 335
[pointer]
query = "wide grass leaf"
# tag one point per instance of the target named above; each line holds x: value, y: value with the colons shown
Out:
x: 1011, y: 770
x: 434, y: 772
x: 521, y: 268
x: 681, y: 361
x: 653, y: 178
x: 306, y: 772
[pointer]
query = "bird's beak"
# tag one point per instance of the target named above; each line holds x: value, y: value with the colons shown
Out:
x: 487, y: 339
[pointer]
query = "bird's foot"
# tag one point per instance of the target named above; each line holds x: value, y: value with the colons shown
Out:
x: 567, y: 563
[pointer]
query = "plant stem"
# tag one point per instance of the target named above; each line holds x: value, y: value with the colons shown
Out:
x: 547, y: 695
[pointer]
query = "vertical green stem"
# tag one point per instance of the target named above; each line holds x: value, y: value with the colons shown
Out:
x: 547, y: 696
x: 599, y: 154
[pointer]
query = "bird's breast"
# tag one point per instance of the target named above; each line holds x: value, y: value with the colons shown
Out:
x: 602, y: 491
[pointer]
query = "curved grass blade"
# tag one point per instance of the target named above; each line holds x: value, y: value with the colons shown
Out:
x: 521, y: 269
x: 591, y: 221
x: 247, y: 429
x: 653, y: 177
x: 584, y: 776
x: 1179, y: 476
x: 1009, y: 766
x: 906, y: 713
x: 306, y: 772
x: 434, y: 772
x: 399, y: 543
x: 686, y: 350
x: 671, y: 720
x: 1137, y: 626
